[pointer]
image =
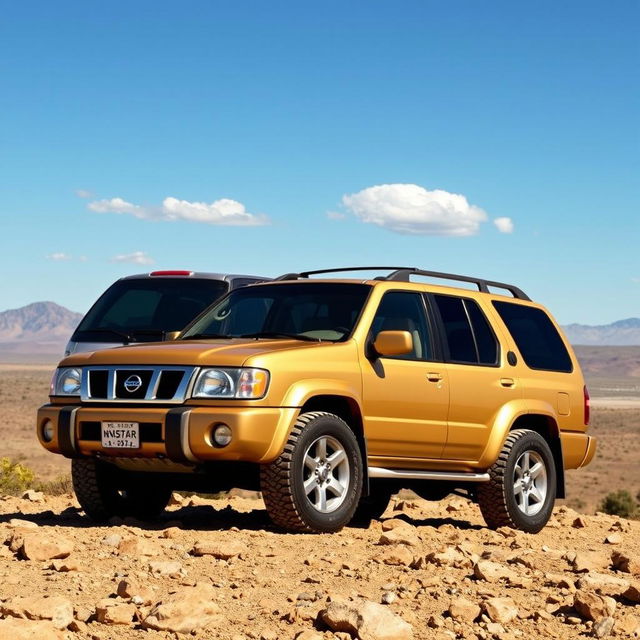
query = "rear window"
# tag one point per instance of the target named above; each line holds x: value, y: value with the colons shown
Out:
x: 142, y: 310
x: 537, y: 338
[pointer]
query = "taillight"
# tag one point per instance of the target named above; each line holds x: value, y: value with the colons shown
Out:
x: 587, y: 406
x: 171, y: 273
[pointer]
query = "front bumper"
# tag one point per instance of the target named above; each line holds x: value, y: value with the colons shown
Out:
x: 180, y: 434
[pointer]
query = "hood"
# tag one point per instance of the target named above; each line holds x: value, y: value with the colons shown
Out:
x: 229, y: 353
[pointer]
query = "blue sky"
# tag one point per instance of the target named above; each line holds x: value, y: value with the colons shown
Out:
x: 117, y: 118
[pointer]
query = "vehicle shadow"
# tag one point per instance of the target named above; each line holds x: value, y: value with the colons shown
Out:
x: 202, y: 518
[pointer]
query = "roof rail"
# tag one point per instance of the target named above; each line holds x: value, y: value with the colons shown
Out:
x: 403, y: 274
x: 306, y: 274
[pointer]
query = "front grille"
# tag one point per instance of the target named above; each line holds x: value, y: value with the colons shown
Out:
x: 149, y: 431
x: 98, y: 381
x: 166, y: 384
x: 132, y: 384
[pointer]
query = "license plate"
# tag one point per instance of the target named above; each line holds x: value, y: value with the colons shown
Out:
x: 120, y: 435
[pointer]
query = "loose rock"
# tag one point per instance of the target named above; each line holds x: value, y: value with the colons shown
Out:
x: 367, y: 620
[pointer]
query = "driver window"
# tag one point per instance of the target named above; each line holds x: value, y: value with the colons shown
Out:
x: 404, y: 311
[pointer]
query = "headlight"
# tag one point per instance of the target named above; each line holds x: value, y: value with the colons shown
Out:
x: 67, y: 382
x: 243, y: 383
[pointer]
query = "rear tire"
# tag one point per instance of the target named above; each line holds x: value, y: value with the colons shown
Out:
x: 103, y: 492
x: 315, y: 483
x: 522, y: 489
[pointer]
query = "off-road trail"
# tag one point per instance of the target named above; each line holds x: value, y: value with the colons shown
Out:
x: 218, y: 569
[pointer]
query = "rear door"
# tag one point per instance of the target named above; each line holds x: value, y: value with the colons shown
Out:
x: 480, y: 379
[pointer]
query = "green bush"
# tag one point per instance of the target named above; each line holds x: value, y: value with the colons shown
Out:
x: 15, y: 477
x: 619, y: 503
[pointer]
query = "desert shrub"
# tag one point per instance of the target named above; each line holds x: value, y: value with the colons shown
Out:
x: 619, y: 503
x: 57, y: 487
x: 15, y: 477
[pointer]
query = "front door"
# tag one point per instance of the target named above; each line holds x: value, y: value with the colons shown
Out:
x: 405, y: 398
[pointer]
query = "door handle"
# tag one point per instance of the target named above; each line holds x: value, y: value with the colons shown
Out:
x: 434, y: 376
x: 507, y: 382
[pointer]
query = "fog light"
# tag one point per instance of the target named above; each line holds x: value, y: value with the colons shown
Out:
x: 47, y: 431
x: 222, y: 435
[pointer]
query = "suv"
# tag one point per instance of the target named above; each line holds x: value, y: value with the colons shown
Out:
x: 148, y: 307
x: 329, y: 395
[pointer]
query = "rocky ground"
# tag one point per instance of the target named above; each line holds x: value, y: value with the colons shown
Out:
x: 218, y: 569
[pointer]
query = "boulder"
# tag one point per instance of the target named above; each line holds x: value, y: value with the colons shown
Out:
x: 626, y: 562
x: 56, y: 609
x: 463, y: 610
x: 633, y: 592
x: 492, y: 571
x: 399, y: 535
x: 15, y: 629
x: 110, y: 611
x: 41, y: 547
x: 366, y: 620
x: 397, y: 555
x: 186, y: 611
x: 593, y: 606
x: 129, y: 588
x: 220, y: 550
x: 602, y: 582
x: 501, y: 610
x: 166, y: 568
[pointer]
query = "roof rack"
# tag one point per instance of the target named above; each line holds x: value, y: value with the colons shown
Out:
x: 403, y: 274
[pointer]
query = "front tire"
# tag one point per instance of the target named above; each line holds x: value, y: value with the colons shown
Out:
x: 316, y: 482
x: 104, y: 492
x: 522, y: 489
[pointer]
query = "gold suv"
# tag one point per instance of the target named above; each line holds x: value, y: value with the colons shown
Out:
x: 329, y: 395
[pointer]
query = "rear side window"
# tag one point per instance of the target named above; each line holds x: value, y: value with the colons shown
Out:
x: 538, y: 340
x: 469, y: 337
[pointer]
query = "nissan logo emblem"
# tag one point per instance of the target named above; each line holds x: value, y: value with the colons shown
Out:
x: 133, y: 383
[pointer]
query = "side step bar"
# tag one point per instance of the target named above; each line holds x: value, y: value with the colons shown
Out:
x: 413, y: 474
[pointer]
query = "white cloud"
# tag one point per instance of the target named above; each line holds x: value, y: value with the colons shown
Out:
x: 335, y: 215
x: 504, y: 225
x: 137, y: 257
x: 224, y: 212
x: 83, y: 193
x: 410, y: 208
x: 59, y: 256
x: 636, y: 280
x: 116, y: 205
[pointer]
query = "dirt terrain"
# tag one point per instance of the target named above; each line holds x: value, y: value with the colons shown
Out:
x: 218, y: 569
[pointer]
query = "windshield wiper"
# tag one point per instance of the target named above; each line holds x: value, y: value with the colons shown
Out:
x: 121, y: 334
x: 207, y: 336
x: 148, y: 332
x: 279, y: 334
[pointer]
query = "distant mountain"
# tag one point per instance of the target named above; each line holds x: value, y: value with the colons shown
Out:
x: 621, y: 333
x: 38, y: 322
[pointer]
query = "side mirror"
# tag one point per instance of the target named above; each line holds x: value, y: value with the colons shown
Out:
x: 171, y: 335
x: 393, y: 343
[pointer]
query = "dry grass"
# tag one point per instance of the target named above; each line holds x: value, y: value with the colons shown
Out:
x: 24, y: 389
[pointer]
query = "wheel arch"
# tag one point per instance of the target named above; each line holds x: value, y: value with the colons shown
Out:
x: 348, y: 409
x: 546, y: 426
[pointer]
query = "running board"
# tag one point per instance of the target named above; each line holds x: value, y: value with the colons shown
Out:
x: 414, y: 474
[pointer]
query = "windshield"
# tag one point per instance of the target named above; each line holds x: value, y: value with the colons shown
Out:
x: 304, y: 310
x: 144, y: 310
